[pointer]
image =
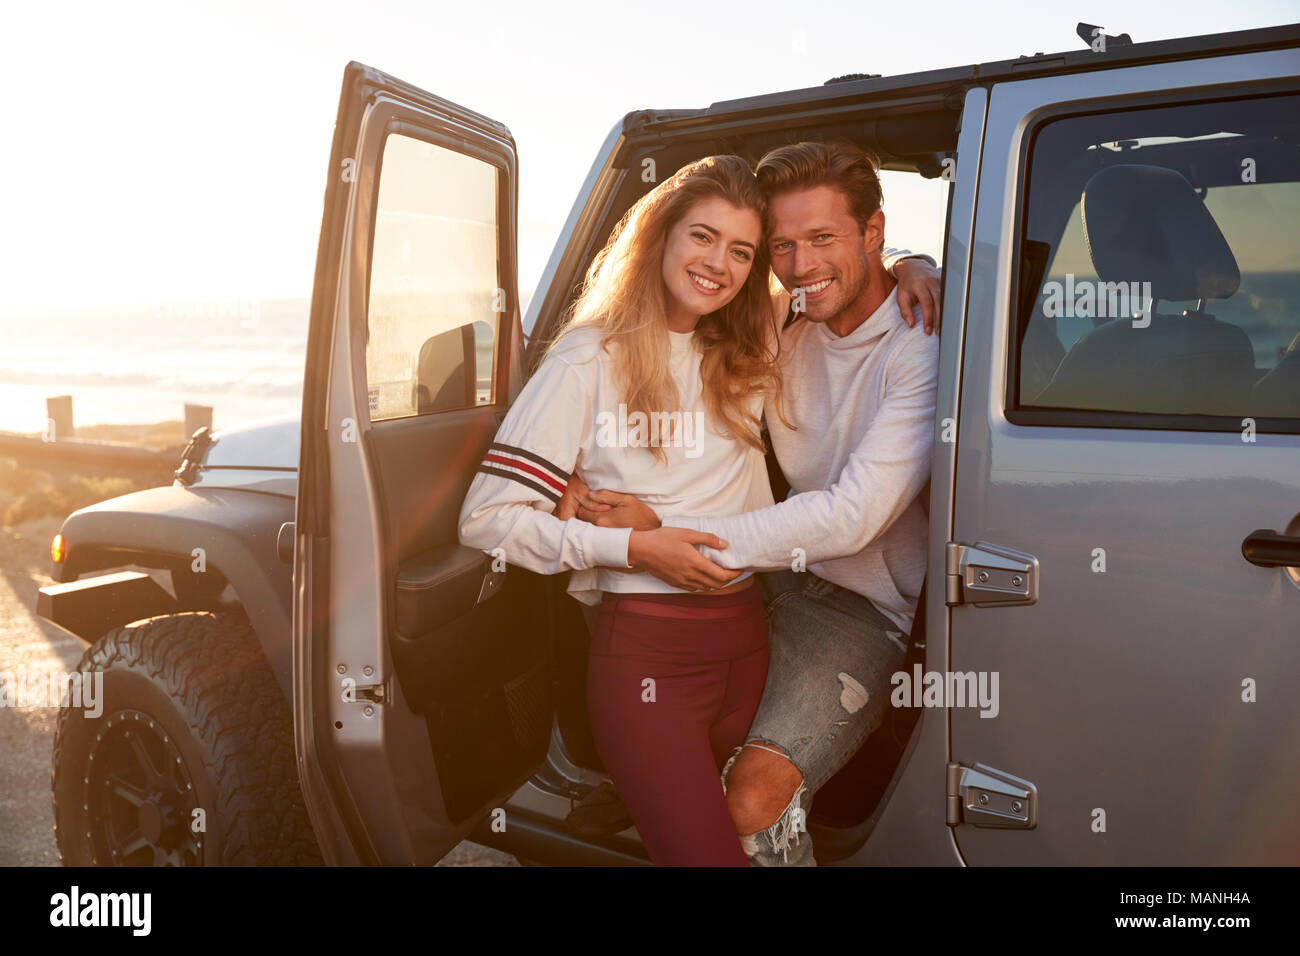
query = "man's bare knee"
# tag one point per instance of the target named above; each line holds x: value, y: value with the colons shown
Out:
x: 760, y: 786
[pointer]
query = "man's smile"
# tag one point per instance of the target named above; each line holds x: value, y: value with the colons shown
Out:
x: 811, y: 290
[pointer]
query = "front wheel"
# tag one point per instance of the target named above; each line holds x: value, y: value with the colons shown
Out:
x: 190, y: 761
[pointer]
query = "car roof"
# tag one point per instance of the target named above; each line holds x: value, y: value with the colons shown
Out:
x: 1079, y: 60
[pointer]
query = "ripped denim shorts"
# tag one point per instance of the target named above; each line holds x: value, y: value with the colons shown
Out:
x: 828, y: 685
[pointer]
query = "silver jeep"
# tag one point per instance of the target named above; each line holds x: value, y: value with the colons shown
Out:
x: 1114, y: 505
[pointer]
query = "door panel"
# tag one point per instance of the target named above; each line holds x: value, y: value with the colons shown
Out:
x: 429, y: 675
x: 1120, y: 691
x: 911, y: 828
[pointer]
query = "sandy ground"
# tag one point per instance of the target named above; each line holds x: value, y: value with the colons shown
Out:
x: 27, y: 733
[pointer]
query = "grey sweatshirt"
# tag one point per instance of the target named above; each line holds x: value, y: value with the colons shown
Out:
x: 863, y: 411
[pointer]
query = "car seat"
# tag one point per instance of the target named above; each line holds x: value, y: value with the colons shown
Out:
x: 446, y: 375
x: 1147, y: 224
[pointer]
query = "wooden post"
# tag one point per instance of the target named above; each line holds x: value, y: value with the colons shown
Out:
x: 58, y: 412
x: 196, y: 416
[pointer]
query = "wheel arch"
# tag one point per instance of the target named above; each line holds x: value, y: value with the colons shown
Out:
x: 237, y: 532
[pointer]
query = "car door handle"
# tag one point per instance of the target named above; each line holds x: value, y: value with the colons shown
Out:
x: 1268, y: 549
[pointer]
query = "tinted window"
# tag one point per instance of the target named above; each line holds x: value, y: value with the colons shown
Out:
x: 1160, y: 262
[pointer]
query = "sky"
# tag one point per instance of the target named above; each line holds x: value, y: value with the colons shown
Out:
x: 177, y: 151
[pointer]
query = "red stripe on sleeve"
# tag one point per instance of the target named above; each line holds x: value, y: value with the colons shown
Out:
x: 536, y: 472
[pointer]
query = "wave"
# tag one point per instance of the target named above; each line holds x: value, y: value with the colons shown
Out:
x: 286, y: 385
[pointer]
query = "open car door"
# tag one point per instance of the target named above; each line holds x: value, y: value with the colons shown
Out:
x: 422, y: 677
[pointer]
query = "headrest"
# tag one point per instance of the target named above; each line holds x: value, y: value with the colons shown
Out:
x: 1146, y: 224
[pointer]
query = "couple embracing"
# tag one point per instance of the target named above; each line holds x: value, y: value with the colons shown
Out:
x: 726, y: 683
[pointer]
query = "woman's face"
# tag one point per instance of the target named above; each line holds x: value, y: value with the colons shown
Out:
x: 707, y: 258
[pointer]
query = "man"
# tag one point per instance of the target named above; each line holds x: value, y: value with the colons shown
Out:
x: 860, y: 383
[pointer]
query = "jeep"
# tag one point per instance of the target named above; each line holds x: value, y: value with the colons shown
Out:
x: 1114, y: 503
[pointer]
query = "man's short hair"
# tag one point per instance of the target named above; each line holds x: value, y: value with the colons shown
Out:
x: 840, y: 165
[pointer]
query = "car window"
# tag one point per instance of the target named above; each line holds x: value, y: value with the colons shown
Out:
x: 434, y: 287
x: 1159, y: 264
x: 916, y: 211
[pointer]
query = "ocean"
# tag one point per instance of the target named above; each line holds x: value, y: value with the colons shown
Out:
x: 142, y: 364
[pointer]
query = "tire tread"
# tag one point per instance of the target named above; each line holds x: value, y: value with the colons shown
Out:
x: 212, y: 666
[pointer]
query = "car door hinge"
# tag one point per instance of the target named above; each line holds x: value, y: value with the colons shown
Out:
x: 988, y: 575
x: 984, y: 797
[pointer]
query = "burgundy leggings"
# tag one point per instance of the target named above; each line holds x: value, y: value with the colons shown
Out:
x: 673, y: 682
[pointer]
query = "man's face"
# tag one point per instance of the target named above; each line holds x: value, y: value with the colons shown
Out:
x: 819, y: 248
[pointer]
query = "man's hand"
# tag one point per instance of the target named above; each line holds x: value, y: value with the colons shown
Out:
x: 918, y: 284
x: 670, y: 555
x: 619, y: 511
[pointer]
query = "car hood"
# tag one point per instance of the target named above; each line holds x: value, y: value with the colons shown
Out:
x: 266, y: 443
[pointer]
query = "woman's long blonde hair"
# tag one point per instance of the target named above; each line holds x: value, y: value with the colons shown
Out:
x: 624, y: 297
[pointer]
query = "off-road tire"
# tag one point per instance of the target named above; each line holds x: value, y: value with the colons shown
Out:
x: 192, y: 717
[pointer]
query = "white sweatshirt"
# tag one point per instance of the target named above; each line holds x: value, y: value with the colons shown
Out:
x: 863, y: 406
x: 568, y: 417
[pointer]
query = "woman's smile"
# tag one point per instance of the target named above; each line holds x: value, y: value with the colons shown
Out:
x: 704, y: 285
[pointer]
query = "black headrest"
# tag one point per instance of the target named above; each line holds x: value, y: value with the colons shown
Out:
x: 1146, y: 224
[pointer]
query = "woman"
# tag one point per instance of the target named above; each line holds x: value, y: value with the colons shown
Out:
x: 655, y: 386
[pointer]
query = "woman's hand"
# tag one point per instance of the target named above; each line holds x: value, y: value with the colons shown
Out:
x: 577, y: 495
x: 617, y: 510
x: 918, y: 284
x: 609, y: 509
